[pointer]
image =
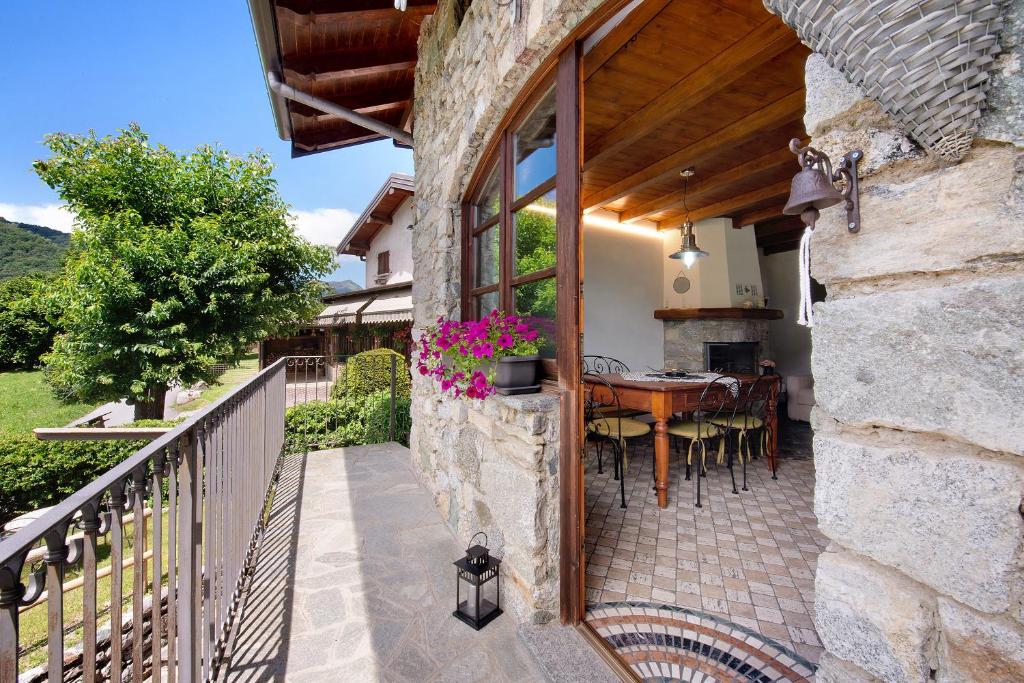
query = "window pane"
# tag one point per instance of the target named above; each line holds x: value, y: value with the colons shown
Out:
x: 484, y: 304
x: 536, y: 301
x: 486, y: 255
x: 534, y: 145
x: 488, y: 199
x: 534, y: 235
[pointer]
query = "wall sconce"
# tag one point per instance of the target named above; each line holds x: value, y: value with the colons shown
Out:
x: 814, y: 187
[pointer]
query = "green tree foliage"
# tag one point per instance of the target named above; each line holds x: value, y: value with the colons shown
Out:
x: 346, y: 421
x: 26, y: 332
x: 177, y: 261
x: 370, y: 371
x: 26, y: 249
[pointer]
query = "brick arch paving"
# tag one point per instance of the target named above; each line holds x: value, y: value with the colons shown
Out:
x: 720, y: 593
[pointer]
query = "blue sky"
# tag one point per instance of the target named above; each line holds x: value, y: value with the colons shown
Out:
x: 189, y: 73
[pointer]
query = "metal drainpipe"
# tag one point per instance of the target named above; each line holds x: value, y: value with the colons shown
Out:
x: 288, y: 92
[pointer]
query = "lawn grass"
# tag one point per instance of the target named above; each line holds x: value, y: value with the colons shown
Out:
x: 247, y: 367
x: 26, y: 402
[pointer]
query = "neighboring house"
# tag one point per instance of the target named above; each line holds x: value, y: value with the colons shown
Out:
x: 913, y: 570
x: 381, y: 314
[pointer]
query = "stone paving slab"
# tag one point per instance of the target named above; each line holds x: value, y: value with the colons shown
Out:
x: 354, y: 582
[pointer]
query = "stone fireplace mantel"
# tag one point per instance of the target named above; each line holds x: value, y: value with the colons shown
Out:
x: 718, y: 314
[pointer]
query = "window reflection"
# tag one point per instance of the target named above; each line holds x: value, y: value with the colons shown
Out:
x: 536, y: 301
x: 534, y: 235
x: 489, y: 200
x: 486, y: 257
x: 534, y: 146
x: 485, y: 303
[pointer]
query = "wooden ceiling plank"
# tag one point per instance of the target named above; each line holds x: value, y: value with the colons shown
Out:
x: 350, y: 63
x: 769, y: 117
x: 758, y: 215
x: 764, y: 43
x: 633, y: 23
x: 762, y: 164
x: 737, y: 203
x: 303, y: 13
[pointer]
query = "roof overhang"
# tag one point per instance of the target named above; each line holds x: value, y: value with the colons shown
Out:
x: 378, y: 214
x: 392, y: 303
x: 357, y: 54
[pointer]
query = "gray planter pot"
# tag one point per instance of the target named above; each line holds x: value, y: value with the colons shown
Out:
x: 517, y: 375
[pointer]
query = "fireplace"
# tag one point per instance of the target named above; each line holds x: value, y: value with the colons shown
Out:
x: 731, y: 357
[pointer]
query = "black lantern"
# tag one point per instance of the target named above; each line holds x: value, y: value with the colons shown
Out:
x: 477, y: 569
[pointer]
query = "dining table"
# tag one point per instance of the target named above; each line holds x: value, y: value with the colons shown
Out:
x: 664, y: 398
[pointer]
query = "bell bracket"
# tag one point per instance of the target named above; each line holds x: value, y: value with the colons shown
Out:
x: 845, y: 173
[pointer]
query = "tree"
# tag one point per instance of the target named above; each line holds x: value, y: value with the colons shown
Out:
x: 26, y: 331
x: 177, y: 261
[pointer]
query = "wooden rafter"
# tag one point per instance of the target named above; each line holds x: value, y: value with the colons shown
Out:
x: 776, y: 114
x: 753, y: 50
x: 762, y: 164
x: 304, y: 12
x: 757, y: 215
x: 632, y: 24
x: 784, y: 224
x: 737, y: 203
x: 368, y: 61
x: 358, y: 101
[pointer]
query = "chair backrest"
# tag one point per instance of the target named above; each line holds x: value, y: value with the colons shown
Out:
x: 718, y: 400
x: 603, y: 364
x: 756, y: 397
x: 599, y: 393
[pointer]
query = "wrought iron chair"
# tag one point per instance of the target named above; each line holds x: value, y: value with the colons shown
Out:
x: 717, y: 403
x: 605, y: 424
x: 750, y: 423
x: 608, y: 365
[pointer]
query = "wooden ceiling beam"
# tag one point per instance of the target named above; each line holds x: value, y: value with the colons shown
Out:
x: 764, y: 43
x: 758, y: 215
x: 374, y: 109
x: 360, y: 100
x: 350, y: 63
x: 762, y: 164
x: 382, y: 219
x: 772, y: 116
x: 786, y: 224
x: 620, y: 35
x: 734, y: 204
x: 306, y: 13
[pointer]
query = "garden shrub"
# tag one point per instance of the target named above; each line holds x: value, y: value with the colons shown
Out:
x: 25, y: 330
x: 35, y: 474
x: 377, y: 418
x: 370, y: 372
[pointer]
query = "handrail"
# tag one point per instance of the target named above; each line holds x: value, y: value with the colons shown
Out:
x: 29, y: 535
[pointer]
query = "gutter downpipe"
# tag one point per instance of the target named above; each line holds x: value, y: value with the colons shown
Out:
x: 288, y: 92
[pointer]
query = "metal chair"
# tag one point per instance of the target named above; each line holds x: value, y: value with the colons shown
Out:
x: 605, y: 423
x: 717, y: 403
x: 603, y: 364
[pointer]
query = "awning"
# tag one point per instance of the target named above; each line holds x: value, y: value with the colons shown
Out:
x: 369, y: 307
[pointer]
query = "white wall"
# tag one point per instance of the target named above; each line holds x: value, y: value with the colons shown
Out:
x: 397, y: 239
x: 622, y: 270
x: 731, y: 260
x: 790, y: 343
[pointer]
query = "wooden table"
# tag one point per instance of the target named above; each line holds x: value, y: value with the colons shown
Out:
x: 663, y: 399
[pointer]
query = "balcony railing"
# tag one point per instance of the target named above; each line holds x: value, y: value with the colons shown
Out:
x: 204, y: 489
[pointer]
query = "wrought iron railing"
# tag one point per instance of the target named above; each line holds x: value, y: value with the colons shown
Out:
x: 204, y: 489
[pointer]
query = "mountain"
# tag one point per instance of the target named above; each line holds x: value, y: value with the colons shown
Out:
x: 342, y: 287
x: 26, y: 248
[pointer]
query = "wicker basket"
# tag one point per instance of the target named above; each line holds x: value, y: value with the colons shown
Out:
x: 926, y: 63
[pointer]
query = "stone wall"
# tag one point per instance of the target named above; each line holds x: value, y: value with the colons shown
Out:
x: 917, y: 357
x: 492, y: 466
x: 684, y: 339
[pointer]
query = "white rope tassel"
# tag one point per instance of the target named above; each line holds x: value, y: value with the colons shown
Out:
x: 806, y: 316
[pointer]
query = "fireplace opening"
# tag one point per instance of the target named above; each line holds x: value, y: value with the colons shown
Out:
x: 731, y: 357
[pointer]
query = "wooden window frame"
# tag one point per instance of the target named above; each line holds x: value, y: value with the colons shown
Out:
x: 383, y: 263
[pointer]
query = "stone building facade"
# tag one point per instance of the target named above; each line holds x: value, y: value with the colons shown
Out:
x: 918, y: 353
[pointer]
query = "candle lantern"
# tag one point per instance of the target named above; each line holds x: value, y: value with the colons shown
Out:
x: 479, y: 572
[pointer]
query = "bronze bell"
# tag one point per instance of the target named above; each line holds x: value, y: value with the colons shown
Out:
x: 811, y: 189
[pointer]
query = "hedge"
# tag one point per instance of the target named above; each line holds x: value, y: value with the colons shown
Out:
x: 35, y: 474
x: 349, y: 421
x: 370, y: 371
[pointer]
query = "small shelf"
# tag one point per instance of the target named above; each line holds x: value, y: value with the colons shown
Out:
x: 718, y: 314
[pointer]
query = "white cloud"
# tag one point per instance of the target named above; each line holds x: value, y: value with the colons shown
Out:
x: 322, y: 226
x: 49, y: 215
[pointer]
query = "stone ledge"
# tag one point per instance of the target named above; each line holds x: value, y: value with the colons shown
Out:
x: 976, y: 647
x: 530, y: 403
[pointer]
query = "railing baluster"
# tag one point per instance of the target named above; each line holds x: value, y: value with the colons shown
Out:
x: 56, y: 553
x: 172, y: 562
x: 189, y: 648
x: 117, y: 502
x: 11, y: 590
x: 138, y: 492
x: 90, y: 531
x: 156, y: 607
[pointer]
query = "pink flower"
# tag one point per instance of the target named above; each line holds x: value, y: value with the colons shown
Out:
x: 505, y: 341
x: 423, y: 369
x: 530, y: 336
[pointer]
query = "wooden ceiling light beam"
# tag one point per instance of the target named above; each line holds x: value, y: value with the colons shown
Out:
x: 762, y: 164
x: 774, y: 115
x: 617, y: 38
x: 761, y: 45
x: 737, y: 203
